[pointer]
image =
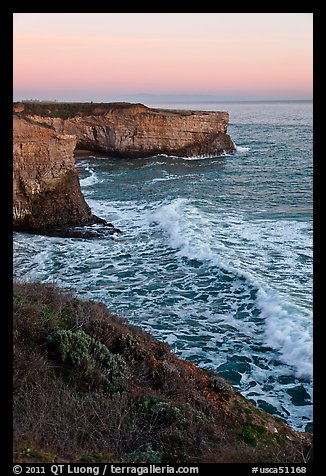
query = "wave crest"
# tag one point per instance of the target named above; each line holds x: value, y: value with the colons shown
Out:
x: 286, y: 326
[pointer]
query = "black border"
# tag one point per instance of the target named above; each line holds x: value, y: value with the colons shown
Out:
x: 6, y: 236
x: 6, y: 275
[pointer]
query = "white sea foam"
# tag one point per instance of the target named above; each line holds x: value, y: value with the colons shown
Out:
x: 190, y: 232
x: 164, y: 179
x: 288, y: 328
x: 199, y: 157
x: 92, y: 178
x: 207, y: 332
x: 193, y: 157
x: 243, y: 248
x: 241, y: 149
x: 152, y: 164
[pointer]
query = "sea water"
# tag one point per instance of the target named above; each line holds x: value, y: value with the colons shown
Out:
x: 215, y: 254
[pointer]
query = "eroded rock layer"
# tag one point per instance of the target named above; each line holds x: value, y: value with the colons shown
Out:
x: 134, y: 130
x: 46, y: 191
x: 47, y: 195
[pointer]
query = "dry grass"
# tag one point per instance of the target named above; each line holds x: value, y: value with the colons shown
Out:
x: 122, y: 396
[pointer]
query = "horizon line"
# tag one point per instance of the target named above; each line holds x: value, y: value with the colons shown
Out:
x: 165, y: 101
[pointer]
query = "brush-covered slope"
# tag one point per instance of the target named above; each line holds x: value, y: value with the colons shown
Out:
x: 90, y: 387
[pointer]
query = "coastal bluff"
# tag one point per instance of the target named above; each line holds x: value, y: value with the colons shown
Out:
x: 47, y: 198
x: 46, y: 192
x: 134, y: 130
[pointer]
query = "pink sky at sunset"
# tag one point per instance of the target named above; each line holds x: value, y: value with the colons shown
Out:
x: 110, y: 56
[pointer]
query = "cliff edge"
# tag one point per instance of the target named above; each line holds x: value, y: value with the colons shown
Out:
x: 134, y: 130
x: 46, y: 192
x: 47, y: 196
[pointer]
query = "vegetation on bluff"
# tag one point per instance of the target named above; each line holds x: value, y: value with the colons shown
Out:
x: 89, y: 387
x: 65, y: 110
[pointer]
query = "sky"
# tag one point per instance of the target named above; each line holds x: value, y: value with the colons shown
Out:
x: 134, y: 56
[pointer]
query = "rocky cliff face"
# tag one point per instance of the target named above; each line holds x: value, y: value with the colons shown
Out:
x: 47, y: 196
x: 134, y: 130
x: 46, y: 191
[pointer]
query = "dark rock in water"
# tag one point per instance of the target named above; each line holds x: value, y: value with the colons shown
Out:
x: 309, y: 427
x: 299, y: 395
x: 267, y: 407
x: 92, y: 230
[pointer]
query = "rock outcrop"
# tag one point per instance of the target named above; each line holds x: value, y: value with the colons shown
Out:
x: 46, y: 191
x: 47, y: 195
x: 134, y: 130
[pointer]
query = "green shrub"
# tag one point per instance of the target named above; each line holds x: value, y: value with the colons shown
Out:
x: 163, y: 412
x: 128, y: 345
x: 72, y: 347
x: 144, y: 454
x: 248, y: 436
x: 251, y: 434
x: 94, y: 359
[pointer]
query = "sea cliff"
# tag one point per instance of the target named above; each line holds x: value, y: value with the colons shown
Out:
x: 134, y: 130
x: 47, y: 197
x: 46, y: 191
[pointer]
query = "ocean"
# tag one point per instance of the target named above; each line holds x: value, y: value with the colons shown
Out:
x: 215, y: 254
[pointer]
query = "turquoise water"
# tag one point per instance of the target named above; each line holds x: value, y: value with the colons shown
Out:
x: 215, y: 257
